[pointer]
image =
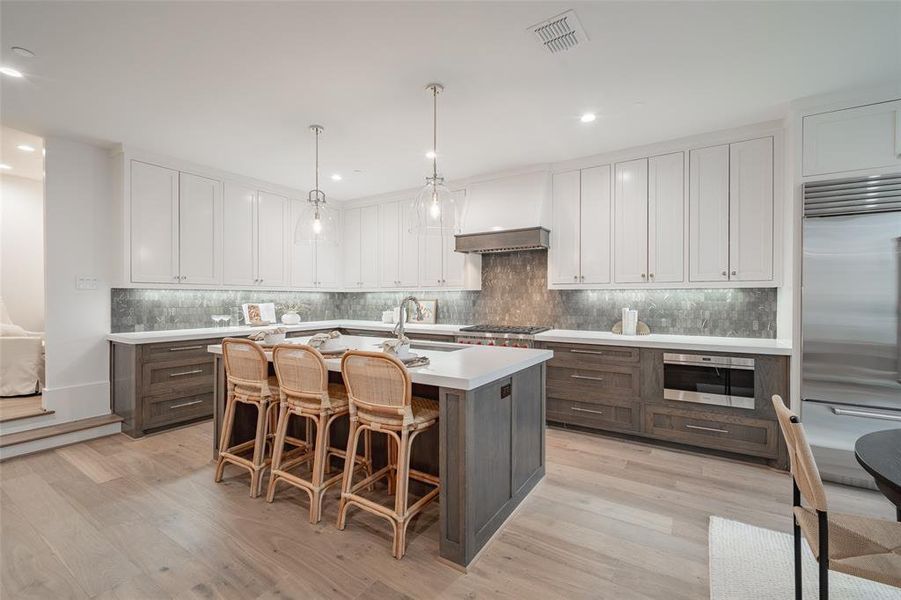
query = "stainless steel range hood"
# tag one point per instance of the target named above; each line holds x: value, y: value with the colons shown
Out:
x: 507, y: 240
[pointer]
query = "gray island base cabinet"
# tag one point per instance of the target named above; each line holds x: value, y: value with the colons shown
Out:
x: 489, y: 452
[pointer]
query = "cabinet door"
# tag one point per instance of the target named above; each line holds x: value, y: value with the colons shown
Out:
x: 240, y: 235
x: 630, y: 225
x: 369, y: 246
x: 708, y: 214
x: 199, y: 229
x: 455, y: 262
x: 389, y: 243
x: 351, y: 248
x: 666, y: 218
x: 303, y: 255
x: 432, y: 251
x: 409, y: 249
x: 272, y: 244
x: 864, y: 137
x: 154, y: 224
x: 328, y: 265
x: 594, y: 226
x: 751, y: 210
x: 565, y: 228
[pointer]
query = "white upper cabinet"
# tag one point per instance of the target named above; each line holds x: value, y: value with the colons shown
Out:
x: 200, y: 229
x: 432, y: 250
x: 369, y: 246
x: 708, y: 207
x: 409, y: 250
x: 273, y: 224
x: 154, y: 224
x: 456, y: 264
x: 751, y: 210
x: 328, y: 264
x: 594, y: 227
x: 865, y: 137
x: 352, y: 242
x: 666, y: 218
x: 565, y: 228
x: 630, y: 226
x: 240, y: 232
x: 389, y: 243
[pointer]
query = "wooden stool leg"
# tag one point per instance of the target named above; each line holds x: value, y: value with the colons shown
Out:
x: 281, y: 431
x: 226, y: 433
x: 400, y: 501
x: 353, y: 437
x: 259, y: 448
x: 392, y: 463
x: 367, y: 455
x: 319, y: 456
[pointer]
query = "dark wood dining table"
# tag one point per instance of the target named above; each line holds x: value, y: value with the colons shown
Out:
x: 879, y: 453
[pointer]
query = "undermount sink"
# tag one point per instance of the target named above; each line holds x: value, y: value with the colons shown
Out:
x: 433, y: 346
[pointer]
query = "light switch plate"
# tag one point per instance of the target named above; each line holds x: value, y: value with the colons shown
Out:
x: 86, y: 283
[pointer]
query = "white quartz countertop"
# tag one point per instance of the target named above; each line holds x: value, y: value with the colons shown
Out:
x: 671, y: 342
x: 573, y: 336
x: 456, y: 366
x: 178, y: 335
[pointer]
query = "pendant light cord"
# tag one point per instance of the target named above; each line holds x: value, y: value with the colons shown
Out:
x: 317, y: 166
x: 435, y: 132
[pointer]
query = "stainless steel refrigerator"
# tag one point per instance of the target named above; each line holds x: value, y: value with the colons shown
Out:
x: 851, y: 299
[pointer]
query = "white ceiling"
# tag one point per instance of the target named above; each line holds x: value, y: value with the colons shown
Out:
x: 234, y: 85
x: 22, y: 163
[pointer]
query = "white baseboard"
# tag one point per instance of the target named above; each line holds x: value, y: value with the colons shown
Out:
x: 59, y: 440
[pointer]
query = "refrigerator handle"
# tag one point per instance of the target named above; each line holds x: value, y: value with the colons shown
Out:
x: 898, y: 307
x: 847, y: 412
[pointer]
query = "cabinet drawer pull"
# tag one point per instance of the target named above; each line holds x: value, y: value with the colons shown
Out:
x: 179, y: 349
x: 588, y: 410
x: 598, y: 352
x: 183, y: 373
x: 183, y: 404
x: 587, y: 377
x: 699, y: 428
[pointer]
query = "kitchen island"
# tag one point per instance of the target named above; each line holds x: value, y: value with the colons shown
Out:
x: 489, y: 449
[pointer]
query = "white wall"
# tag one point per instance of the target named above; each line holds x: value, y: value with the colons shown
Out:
x: 22, y: 250
x: 78, y: 228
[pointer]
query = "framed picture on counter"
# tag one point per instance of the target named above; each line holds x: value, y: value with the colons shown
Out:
x: 429, y: 312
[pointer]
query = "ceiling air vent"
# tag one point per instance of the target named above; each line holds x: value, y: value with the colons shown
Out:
x: 560, y: 33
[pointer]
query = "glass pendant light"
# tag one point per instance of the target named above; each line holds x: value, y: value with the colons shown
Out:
x: 316, y: 222
x: 433, y: 211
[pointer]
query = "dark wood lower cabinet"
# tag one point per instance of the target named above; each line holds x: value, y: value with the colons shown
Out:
x: 619, y: 389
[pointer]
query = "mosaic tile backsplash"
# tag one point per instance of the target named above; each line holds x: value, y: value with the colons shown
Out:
x: 514, y: 292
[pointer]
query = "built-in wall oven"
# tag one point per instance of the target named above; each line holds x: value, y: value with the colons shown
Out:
x: 718, y: 380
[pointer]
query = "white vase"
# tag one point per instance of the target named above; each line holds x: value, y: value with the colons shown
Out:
x: 290, y: 318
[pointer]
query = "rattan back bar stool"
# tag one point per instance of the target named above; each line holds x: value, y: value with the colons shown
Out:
x: 248, y: 382
x: 305, y: 392
x: 379, y: 390
x: 860, y: 546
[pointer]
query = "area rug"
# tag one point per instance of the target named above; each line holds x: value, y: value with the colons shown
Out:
x: 753, y: 563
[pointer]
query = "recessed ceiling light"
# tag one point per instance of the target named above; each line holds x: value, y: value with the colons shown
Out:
x: 588, y: 117
x: 336, y: 177
x: 25, y: 52
x: 431, y: 154
x: 25, y: 148
x: 5, y: 167
x: 10, y: 72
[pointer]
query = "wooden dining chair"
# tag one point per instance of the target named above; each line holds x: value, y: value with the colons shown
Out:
x: 247, y: 382
x: 305, y: 392
x: 381, y: 399
x: 860, y: 546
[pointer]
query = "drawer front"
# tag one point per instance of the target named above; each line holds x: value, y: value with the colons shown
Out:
x: 589, y: 357
x: 741, y: 435
x: 178, y: 375
x: 590, y: 385
x: 177, y: 350
x: 173, y: 409
x: 620, y: 417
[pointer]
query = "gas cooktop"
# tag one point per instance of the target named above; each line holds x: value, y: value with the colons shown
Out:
x: 508, y: 329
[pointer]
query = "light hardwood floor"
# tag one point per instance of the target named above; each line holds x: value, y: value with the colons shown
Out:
x: 125, y: 519
x: 19, y: 407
